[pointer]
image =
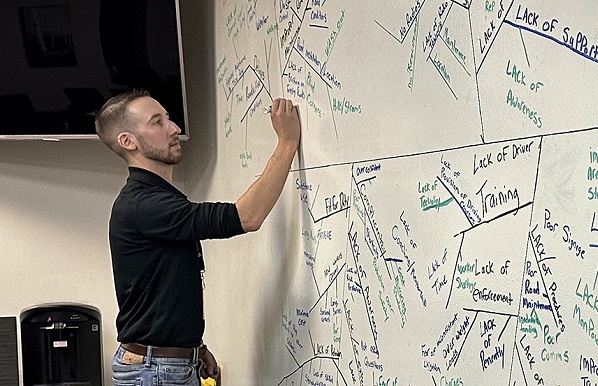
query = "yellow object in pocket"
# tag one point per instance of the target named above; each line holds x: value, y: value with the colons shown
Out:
x: 208, y: 382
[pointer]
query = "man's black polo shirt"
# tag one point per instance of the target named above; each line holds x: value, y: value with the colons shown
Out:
x: 157, y: 262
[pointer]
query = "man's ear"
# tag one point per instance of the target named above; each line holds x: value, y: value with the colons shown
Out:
x: 127, y: 141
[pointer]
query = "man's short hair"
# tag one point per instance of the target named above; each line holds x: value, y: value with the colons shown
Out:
x: 113, y: 119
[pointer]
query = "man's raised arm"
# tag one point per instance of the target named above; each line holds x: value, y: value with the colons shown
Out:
x: 257, y: 202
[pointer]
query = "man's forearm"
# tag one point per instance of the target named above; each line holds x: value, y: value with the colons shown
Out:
x: 257, y: 202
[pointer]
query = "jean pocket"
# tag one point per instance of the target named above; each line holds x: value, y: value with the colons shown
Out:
x: 130, y: 375
x: 121, y: 382
x: 124, y: 370
x: 176, y: 374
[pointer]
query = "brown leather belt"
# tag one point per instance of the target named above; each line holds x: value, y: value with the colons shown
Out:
x: 161, y: 352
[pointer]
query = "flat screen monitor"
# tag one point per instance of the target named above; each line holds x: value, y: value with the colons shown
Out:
x: 62, y: 59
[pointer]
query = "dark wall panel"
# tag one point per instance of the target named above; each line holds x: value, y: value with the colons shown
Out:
x: 9, y: 364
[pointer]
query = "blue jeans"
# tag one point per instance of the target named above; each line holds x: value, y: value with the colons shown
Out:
x: 154, y: 371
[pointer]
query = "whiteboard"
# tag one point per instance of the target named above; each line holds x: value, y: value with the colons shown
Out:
x: 439, y: 225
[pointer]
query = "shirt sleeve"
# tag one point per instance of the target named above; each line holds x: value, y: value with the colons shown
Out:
x: 163, y: 216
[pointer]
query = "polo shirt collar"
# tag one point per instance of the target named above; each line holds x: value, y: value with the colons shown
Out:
x: 150, y: 178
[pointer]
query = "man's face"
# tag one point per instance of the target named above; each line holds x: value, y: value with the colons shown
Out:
x: 157, y: 135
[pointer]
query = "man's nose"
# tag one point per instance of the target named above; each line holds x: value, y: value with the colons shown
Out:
x: 176, y: 127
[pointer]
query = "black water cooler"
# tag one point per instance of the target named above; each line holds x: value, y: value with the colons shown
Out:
x: 61, y: 345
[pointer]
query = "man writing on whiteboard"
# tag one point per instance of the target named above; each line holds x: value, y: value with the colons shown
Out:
x: 155, y: 234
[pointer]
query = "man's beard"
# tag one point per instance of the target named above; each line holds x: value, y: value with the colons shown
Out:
x: 160, y: 155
